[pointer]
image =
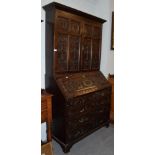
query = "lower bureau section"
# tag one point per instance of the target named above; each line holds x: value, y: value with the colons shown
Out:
x: 81, y: 116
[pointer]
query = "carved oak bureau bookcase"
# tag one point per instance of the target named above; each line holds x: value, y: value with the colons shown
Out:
x: 81, y: 93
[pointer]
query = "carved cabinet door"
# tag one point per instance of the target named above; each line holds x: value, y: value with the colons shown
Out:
x: 86, y: 54
x: 86, y: 47
x: 74, y: 45
x: 90, y: 48
x: 67, y: 42
x: 61, y: 44
x: 95, y: 54
x: 61, y: 53
x: 96, y: 47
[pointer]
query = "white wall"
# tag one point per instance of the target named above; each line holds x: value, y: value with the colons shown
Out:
x: 104, y: 10
x: 100, y: 8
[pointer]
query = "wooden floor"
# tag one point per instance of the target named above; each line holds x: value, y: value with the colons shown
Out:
x: 47, y: 149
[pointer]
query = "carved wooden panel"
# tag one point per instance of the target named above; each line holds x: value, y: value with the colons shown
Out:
x: 74, y: 50
x: 78, y: 84
x: 61, y: 54
x: 62, y: 24
x: 86, y: 54
x: 80, y: 126
x: 84, y: 38
x: 75, y: 27
x: 95, y: 54
x: 87, y: 30
x: 97, y: 32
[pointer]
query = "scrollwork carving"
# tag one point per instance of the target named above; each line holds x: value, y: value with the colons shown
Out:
x: 62, y: 24
x: 74, y: 52
x: 95, y: 54
x: 86, y: 54
x: 75, y: 27
x: 62, y: 52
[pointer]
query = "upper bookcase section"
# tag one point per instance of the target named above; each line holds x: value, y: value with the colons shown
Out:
x: 73, y: 40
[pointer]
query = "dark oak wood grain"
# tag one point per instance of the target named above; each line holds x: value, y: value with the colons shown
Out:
x: 81, y: 101
x: 46, y: 112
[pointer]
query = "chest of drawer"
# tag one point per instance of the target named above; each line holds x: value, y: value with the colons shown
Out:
x: 88, y: 104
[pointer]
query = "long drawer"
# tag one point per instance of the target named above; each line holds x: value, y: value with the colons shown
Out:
x: 79, y: 126
x: 88, y: 104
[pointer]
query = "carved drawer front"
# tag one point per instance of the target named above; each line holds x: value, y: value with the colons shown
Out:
x: 102, y: 118
x: 97, y: 101
x: 75, y: 107
x: 103, y: 103
x: 79, y: 126
x: 91, y: 103
x: 74, y: 134
x: 88, y: 104
x: 77, y: 122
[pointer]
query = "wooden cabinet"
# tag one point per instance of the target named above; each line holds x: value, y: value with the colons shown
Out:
x: 81, y: 101
x: 46, y: 112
